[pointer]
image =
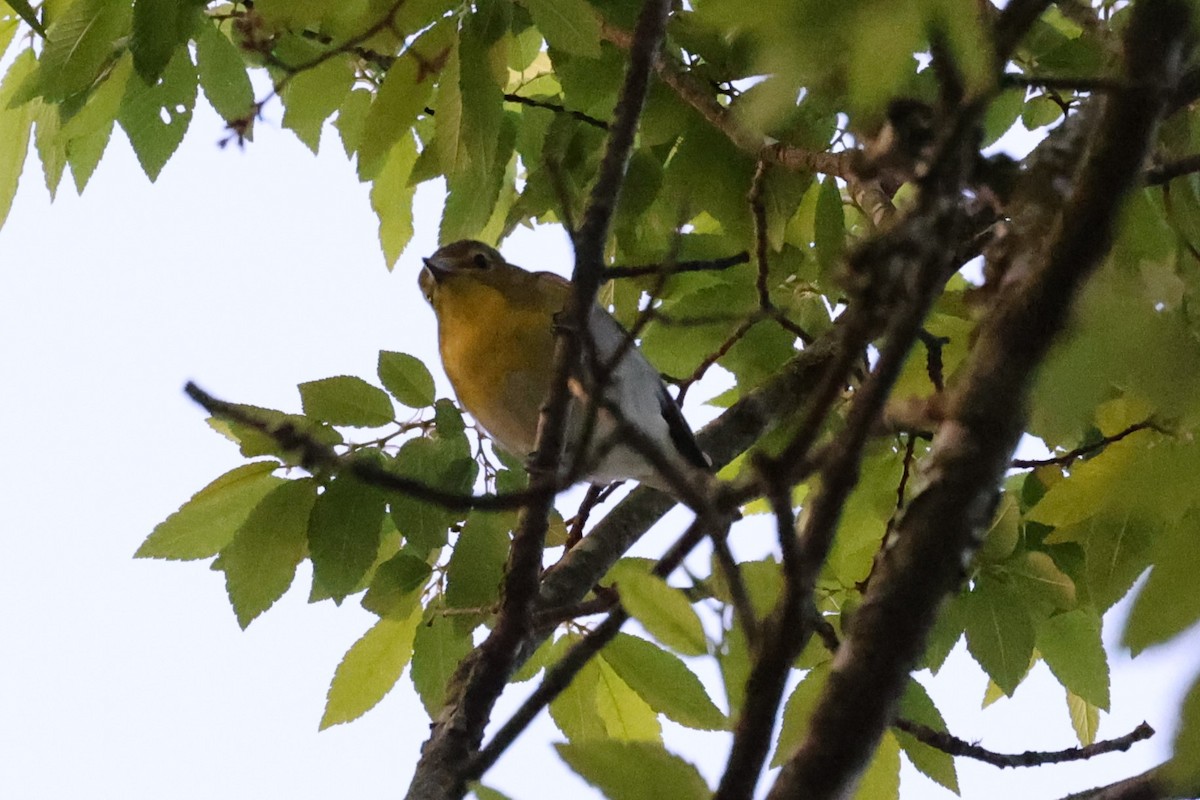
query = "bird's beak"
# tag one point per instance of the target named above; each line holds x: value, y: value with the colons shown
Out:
x: 430, y: 277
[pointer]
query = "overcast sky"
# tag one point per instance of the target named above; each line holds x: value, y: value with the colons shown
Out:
x: 250, y: 272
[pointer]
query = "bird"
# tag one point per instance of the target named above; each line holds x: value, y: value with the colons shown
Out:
x: 497, y: 326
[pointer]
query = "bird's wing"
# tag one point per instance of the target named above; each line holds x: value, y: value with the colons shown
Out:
x: 681, y: 432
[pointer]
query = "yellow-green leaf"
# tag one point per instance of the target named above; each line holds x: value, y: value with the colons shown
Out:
x: 402, y: 96
x: 392, y: 200
x: 634, y: 770
x: 477, y: 563
x: 1000, y: 635
x: 1070, y: 645
x: 156, y: 116
x: 15, y: 124
x: 211, y: 519
x: 312, y: 95
x: 370, y: 669
x: 797, y: 711
x: 570, y: 25
x: 78, y: 44
x: 344, y: 531
x: 260, y: 563
x: 1184, y: 767
x: 917, y: 706
x: 626, y: 716
x: 437, y: 649
x: 1169, y: 603
x: 881, y: 779
x: 223, y: 74
x: 663, y: 611
x: 407, y: 378
x: 664, y: 682
x: 574, y: 710
x: 346, y: 400
x: 159, y: 28
x: 1085, y: 718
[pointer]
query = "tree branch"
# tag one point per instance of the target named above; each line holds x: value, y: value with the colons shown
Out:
x: 482, y: 675
x: 945, y: 521
x: 954, y: 746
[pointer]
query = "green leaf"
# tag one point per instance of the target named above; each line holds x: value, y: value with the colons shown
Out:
x: 260, y: 563
x: 664, y: 682
x: 574, y: 710
x: 343, y: 534
x: 402, y: 96
x: 370, y: 669
x: 1116, y: 551
x: 830, y: 230
x: 223, y: 74
x: 477, y: 563
x: 397, y: 585
x: 917, y: 706
x: 1039, y: 580
x: 312, y: 95
x: 1184, y: 767
x: 1070, y: 645
x: 626, y: 716
x: 26, y: 12
x: 160, y: 27
x: 439, y: 462
x: 211, y: 519
x: 352, y: 118
x: 392, y: 200
x: 734, y: 656
x: 156, y: 117
x: 439, y: 646
x: 407, y: 378
x: 1040, y: 111
x: 346, y: 400
x: 797, y: 711
x: 79, y: 43
x: 881, y: 779
x: 48, y: 141
x: 663, y: 611
x: 8, y: 29
x: 1168, y: 604
x: 475, y: 137
x: 1085, y: 718
x: 15, y: 124
x: 609, y: 766
x: 947, y: 630
x: 999, y: 634
x: 482, y: 792
x: 569, y: 25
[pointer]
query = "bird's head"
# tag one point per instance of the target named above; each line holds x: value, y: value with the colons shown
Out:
x: 459, y: 263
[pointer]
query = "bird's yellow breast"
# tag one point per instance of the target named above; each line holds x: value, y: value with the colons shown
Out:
x: 497, y: 348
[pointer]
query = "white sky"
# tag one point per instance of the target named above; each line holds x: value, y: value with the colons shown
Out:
x: 250, y: 272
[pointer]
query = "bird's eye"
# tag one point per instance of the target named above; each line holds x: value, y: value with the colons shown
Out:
x: 480, y: 261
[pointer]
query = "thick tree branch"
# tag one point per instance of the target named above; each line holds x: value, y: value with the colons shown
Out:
x: 944, y: 522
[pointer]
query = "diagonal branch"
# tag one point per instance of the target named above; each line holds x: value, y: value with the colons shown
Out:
x: 482, y: 675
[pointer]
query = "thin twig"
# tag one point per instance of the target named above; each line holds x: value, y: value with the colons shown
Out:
x: 1169, y: 171
x: 704, y: 265
x: 954, y: 746
x: 783, y: 638
x: 1069, y: 458
x: 318, y: 457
